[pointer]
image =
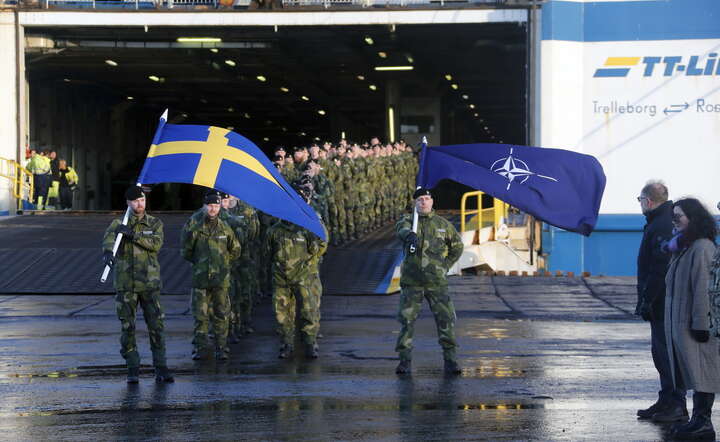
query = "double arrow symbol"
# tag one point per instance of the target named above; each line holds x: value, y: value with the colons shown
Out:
x: 676, y: 108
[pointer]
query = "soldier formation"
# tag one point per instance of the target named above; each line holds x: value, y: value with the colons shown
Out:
x: 357, y: 188
x: 238, y: 253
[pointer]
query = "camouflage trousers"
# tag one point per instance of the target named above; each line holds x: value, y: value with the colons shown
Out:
x: 285, y: 297
x: 126, y: 304
x: 242, y: 290
x: 411, y: 300
x: 203, y: 301
x: 339, y: 225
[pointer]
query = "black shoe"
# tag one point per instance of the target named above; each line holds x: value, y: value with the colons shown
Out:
x: 699, y: 428
x: 222, y: 355
x: 671, y: 414
x: 285, y: 351
x: 163, y: 374
x: 404, y: 367
x: 452, y: 367
x: 311, y: 351
x: 647, y: 413
x: 133, y: 376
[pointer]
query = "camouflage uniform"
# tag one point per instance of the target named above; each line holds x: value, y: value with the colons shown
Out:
x: 137, y: 280
x: 423, y: 275
x: 295, y: 253
x: 340, y: 221
x: 211, y: 246
x: 245, y: 279
x: 714, y: 294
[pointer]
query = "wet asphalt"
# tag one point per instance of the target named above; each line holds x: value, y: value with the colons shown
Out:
x: 544, y: 358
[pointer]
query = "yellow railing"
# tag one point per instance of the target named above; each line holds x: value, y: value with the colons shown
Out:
x: 485, y: 217
x: 20, y: 177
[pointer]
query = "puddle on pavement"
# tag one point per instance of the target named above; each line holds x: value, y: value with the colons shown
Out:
x: 136, y: 404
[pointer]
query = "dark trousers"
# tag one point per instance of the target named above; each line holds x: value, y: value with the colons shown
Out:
x: 41, y: 184
x: 661, y: 359
x: 66, y: 197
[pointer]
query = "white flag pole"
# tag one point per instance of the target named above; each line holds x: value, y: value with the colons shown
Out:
x: 415, y: 212
x: 119, y: 236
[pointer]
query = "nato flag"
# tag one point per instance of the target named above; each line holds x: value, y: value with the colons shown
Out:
x: 560, y: 187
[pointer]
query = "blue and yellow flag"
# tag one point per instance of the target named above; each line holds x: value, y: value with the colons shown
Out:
x: 220, y: 159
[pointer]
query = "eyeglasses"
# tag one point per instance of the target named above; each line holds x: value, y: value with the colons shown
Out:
x: 677, y: 217
x: 641, y: 198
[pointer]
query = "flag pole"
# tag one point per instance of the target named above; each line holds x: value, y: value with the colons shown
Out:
x: 119, y: 236
x: 421, y: 171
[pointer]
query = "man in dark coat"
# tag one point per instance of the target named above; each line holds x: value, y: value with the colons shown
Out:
x: 652, y: 265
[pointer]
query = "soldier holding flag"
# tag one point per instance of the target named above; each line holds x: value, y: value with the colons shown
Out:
x: 137, y: 281
x: 432, y: 245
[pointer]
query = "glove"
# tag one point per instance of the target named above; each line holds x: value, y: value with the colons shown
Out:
x: 126, y: 231
x: 700, y: 335
x: 646, y: 311
x: 411, y: 239
x: 108, y: 258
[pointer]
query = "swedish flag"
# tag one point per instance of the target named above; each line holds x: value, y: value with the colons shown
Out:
x: 224, y: 160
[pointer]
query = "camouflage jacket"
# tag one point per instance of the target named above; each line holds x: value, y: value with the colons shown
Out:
x: 439, y: 246
x: 294, y: 252
x: 211, y: 247
x: 136, y: 263
x: 248, y: 218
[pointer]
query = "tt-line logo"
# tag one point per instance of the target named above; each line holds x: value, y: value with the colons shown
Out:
x: 695, y: 65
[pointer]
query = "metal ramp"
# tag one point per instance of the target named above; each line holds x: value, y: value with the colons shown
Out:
x: 365, y: 266
x: 59, y: 253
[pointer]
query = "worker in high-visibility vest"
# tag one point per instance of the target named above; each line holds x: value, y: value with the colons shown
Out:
x: 68, y: 179
x: 39, y: 166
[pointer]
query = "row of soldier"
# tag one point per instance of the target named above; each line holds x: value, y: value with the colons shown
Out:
x: 219, y: 241
x: 357, y: 188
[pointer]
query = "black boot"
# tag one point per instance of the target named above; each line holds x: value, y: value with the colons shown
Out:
x: 312, y: 351
x: 452, y: 367
x: 285, y: 351
x: 647, y: 413
x: 133, y: 376
x: 700, y: 426
x: 404, y: 367
x: 199, y: 353
x: 674, y: 413
x: 163, y: 374
x: 222, y: 354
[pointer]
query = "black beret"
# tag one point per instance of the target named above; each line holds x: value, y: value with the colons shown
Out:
x: 420, y: 191
x: 133, y: 193
x: 212, y: 197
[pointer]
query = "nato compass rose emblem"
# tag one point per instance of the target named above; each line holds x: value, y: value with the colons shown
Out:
x: 515, y: 169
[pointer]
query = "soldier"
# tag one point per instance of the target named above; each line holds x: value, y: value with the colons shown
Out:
x: 137, y: 280
x: 323, y: 190
x: 209, y: 243
x: 244, y: 273
x: 295, y: 254
x: 429, y: 253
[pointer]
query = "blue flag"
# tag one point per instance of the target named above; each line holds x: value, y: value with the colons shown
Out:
x: 224, y: 160
x: 560, y: 187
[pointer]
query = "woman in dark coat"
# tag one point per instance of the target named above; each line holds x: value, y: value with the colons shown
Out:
x: 695, y: 361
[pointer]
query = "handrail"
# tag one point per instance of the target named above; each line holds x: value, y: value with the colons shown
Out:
x: 498, y: 211
x: 21, y: 178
